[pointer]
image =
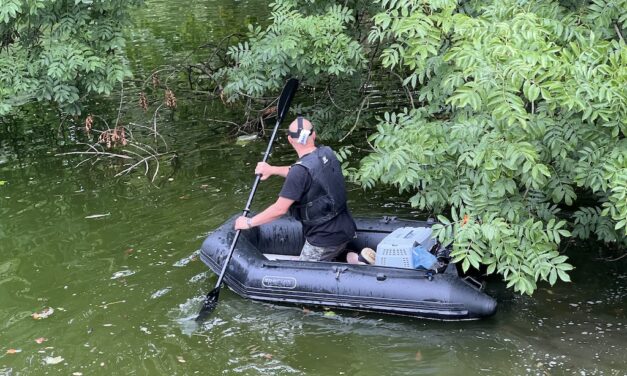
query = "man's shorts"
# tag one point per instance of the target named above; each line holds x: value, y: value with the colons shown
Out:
x: 315, y: 253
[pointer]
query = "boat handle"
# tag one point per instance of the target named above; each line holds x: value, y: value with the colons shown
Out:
x: 339, y: 271
x: 387, y: 219
x: 473, y: 283
x: 429, y: 275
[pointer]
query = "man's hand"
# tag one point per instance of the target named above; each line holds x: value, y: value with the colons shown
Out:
x: 272, y: 212
x: 241, y: 223
x: 264, y: 169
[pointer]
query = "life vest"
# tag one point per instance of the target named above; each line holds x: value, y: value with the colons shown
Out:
x: 326, y: 196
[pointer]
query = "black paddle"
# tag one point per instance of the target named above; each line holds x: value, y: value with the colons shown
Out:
x: 211, y: 300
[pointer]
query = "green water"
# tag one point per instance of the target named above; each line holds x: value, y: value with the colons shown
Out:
x: 114, y: 258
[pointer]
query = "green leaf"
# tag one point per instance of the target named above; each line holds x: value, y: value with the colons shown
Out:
x: 466, y: 265
x: 563, y: 276
x: 553, y: 277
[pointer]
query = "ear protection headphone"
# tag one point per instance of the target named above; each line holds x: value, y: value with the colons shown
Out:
x: 301, y: 134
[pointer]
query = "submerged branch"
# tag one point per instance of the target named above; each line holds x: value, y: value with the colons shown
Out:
x: 124, y: 143
x: 115, y: 155
x: 615, y: 259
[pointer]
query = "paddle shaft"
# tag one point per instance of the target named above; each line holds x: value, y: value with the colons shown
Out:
x: 211, y: 300
x: 249, y: 202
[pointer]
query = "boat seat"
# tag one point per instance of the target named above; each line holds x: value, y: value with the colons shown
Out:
x: 274, y: 256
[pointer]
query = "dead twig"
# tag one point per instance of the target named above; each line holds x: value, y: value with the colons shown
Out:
x: 151, y: 132
x: 122, y: 156
x: 407, y: 91
x: 154, y: 120
x: 224, y: 121
x: 123, y: 143
x: 328, y: 91
x: 106, y: 305
x: 117, y: 120
x: 361, y: 107
x: 615, y: 259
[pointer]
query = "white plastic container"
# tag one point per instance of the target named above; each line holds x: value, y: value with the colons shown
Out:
x: 396, y: 249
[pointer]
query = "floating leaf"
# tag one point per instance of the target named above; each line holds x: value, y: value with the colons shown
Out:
x: 43, y: 314
x: 186, y: 260
x: 241, y: 140
x: 418, y: 356
x: 160, y: 293
x: 53, y: 360
x: 122, y: 273
x: 97, y: 216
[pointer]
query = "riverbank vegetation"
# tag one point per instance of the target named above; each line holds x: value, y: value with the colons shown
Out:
x: 510, y: 122
x: 61, y: 51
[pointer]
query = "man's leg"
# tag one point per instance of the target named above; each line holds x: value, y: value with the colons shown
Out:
x: 314, y: 253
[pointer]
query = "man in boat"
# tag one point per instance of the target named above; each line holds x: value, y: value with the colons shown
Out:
x: 315, y: 191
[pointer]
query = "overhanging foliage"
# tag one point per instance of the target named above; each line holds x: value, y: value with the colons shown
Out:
x: 517, y: 110
x: 59, y: 51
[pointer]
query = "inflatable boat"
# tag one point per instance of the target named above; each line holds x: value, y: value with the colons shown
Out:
x: 265, y: 267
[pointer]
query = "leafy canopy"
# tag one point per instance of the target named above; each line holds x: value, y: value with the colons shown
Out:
x: 515, y: 111
x: 523, y: 107
x: 294, y: 44
x: 60, y: 50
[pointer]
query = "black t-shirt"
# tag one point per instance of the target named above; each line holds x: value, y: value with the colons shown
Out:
x: 338, y: 230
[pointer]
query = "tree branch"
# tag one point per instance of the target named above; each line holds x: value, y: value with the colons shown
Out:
x: 361, y: 107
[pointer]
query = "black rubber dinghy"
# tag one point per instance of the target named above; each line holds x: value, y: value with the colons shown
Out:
x: 264, y: 267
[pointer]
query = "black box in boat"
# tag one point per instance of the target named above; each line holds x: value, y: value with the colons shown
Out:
x: 264, y: 267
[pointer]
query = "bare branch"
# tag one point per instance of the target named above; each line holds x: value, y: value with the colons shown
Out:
x: 407, y: 91
x: 333, y: 102
x: 361, y: 107
x: 615, y: 259
x: 154, y: 120
x: 117, y: 120
x: 122, y: 156
x: 224, y: 121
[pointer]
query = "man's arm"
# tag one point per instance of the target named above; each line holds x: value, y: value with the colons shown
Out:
x: 266, y: 170
x: 272, y: 212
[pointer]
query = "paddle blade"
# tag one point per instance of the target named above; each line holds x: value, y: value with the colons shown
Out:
x: 209, y: 305
x: 286, y: 97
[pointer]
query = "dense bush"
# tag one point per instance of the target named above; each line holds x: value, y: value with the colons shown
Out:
x: 517, y: 114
